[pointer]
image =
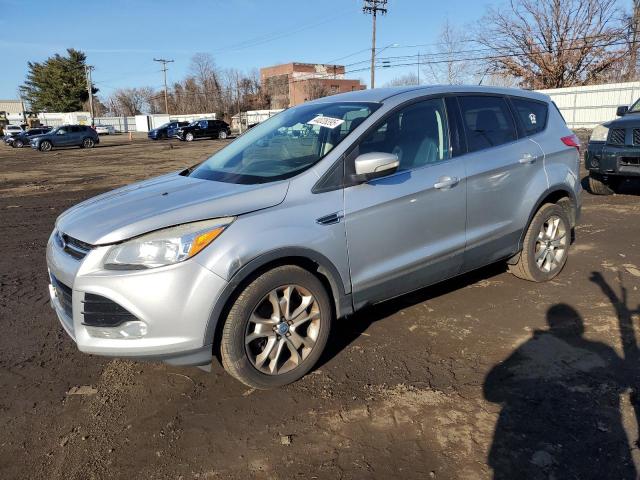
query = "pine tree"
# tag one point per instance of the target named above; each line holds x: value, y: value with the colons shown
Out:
x: 58, y: 84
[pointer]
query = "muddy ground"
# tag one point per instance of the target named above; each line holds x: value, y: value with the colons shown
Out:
x: 482, y: 376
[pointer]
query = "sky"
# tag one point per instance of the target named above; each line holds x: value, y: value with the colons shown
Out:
x: 121, y: 38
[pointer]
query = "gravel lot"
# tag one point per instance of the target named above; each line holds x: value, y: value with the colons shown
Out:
x: 482, y: 376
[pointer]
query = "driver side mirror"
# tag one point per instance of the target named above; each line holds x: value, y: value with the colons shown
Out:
x: 622, y: 110
x: 375, y: 165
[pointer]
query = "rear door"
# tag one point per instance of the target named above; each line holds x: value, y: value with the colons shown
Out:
x: 202, y: 129
x: 501, y: 164
x: 406, y: 230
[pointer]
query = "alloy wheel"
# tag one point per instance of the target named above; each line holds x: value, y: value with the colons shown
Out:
x: 551, y: 244
x: 282, y: 330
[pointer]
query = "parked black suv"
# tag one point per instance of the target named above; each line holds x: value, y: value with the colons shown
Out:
x: 81, y: 136
x: 166, y: 130
x: 613, y: 152
x: 19, y: 140
x: 203, y: 129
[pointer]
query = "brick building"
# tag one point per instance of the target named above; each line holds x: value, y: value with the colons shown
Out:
x: 295, y: 83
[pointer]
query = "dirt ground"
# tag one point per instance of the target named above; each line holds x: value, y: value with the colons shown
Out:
x: 485, y: 376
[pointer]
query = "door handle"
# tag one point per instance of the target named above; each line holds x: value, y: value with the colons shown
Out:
x: 527, y: 159
x: 446, y: 182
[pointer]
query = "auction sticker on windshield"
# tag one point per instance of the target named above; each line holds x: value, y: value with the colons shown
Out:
x: 328, y: 122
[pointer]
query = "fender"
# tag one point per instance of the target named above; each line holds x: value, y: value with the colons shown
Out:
x: 342, y: 300
x: 560, y: 188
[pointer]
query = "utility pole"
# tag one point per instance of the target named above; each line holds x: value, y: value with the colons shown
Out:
x: 164, y: 70
x: 373, y: 7
x: 87, y: 72
x: 238, y: 101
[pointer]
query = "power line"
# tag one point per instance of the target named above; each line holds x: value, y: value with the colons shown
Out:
x: 469, y: 59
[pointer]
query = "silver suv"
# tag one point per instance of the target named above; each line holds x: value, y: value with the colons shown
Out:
x: 327, y: 207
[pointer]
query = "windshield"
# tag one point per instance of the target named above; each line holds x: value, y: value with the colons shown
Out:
x: 635, y: 107
x: 286, y: 144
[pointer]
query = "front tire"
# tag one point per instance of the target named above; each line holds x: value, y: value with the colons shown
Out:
x: 189, y: 137
x: 277, y: 328
x: 18, y: 144
x: 546, y: 245
x: 598, y: 186
x: 45, y: 146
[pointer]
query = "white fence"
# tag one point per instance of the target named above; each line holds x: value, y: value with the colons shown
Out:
x: 121, y: 124
x: 588, y: 106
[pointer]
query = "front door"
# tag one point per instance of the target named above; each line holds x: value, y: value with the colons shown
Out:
x: 407, y: 230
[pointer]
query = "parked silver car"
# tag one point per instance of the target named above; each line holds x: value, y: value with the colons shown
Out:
x: 327, y: 207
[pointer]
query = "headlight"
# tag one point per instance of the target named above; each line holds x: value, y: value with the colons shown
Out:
x: 165, y: 247
x: 599, y: 134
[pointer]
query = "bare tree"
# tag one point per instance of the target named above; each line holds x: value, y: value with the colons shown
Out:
x: 130, y: 101
x: 315, y: 89
x: 632, y: 21
x: 205, y: 73
x: 410, y: 78
x: 445, y: 64
x: 276, y: 91
x: 554, y: 43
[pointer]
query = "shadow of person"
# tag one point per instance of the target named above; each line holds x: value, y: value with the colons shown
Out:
x: 560, y: 398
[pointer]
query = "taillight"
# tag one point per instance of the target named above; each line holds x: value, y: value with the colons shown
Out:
x: 572, y: 141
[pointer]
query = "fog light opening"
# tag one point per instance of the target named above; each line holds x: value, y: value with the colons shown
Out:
x: 128, y: 330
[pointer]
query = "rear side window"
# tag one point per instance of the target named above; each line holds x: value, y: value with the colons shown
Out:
x: 76, y: 129
x: 532, y: 114
x: 488, y: 121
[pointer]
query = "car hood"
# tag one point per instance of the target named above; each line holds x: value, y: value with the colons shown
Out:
x: 628, y: 120
x: 163, y: 202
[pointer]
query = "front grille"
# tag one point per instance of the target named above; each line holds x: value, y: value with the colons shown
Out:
x: 636, y: 136
x: 630, y: 161
x: 72, y: 246
x: 616, y: 136
x: 64, y: 295
x: 99, y: 311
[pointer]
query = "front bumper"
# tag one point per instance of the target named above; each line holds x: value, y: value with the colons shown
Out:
x: 175, y: 303
x: 608, y: 160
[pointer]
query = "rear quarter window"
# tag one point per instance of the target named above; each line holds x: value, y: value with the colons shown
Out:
x: 532, y: 115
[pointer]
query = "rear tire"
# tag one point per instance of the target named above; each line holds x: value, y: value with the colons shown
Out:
x: 598, y: 186
x: 88, y: 143
x: 546, y: 245
x: 222, y: 135
x: 45, y: 146
x: 18, y: 144
x: 277, y: 328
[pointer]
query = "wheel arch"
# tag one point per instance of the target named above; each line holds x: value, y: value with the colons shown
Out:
x: 554, y: 194
x: 310, y: 260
